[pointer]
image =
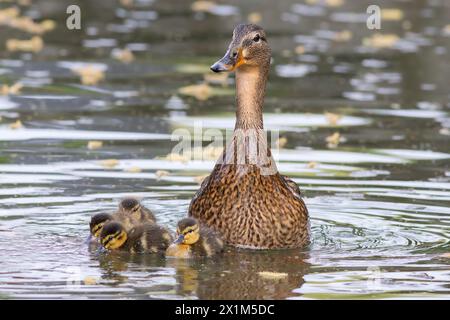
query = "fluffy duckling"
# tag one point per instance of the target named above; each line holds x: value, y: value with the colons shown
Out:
x: 130, y: 214
x: 146, y: 238
x: 97, y: 223
x: 194, y: 240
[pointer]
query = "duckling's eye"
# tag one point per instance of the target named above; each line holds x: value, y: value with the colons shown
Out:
x: 256, y: 38
x: 234, y: 54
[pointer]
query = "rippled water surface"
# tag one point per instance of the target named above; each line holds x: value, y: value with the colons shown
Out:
x: 378, y: 192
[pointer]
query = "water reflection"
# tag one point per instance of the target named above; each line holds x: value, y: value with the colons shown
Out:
x: 235, y: 274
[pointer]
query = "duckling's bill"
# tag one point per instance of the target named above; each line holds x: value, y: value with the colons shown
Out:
x: 179, y: 239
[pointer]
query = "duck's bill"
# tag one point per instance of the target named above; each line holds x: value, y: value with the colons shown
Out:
x: 101, y: 250
x: 179, y: 240
x: 228, y: 63
x: 89, y: 239
x: 220, y: 66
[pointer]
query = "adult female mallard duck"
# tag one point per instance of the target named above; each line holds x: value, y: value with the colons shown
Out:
x: 130, y: 213
x: 194, y: 240
x: 245, y: 198
x: 145, y: 238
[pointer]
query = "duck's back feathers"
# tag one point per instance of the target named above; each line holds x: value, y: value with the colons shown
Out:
x: 148, y: 238
x: 250, y: 209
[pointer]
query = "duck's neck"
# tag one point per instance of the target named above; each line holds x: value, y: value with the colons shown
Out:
x: 250, y: 90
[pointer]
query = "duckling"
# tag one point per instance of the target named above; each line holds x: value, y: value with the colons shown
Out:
x: 194, y: 240
x: 245, y: 198
x: 146, y: 238
x: 97, y: 223
x: 130, y: 213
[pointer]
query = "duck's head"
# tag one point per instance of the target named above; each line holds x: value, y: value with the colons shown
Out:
x: 129, y: 205
x: 248, y: 48
x: 188, y: 231
x: 97, y: 223
x: 113, y: 236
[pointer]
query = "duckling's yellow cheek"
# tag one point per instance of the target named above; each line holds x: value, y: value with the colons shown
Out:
x: 115, y: 242
x: 97, y: 230
x: 191, y: 238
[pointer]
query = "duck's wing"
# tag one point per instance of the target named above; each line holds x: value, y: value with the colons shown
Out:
x: 199, y: 191
x: 292, y: 185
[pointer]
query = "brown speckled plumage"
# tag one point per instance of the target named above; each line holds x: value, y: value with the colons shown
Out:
x: 247, y: 205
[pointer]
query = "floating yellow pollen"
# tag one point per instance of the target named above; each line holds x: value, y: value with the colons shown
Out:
x: 92, y: 145
x: 299, y: 50
x: 161, y: 173
x: 333, y: 118
x: 16, y: 125
x: 10, y: 90
x: 312, y: 164
x: 254, y: 17
x: 199, y: 91
x: 125, y: 55
x: 216, y: 78
x: 89, y: 75
x: 343, y: 36
x: 202, y: 6
x: 134, y: 169
x: 281, y: 142
x: 109, y: 163
x: 391, y: 14
x: 35, y: 44
x: 89, y: 281
x: 379, y: 40
x: 333, y: 140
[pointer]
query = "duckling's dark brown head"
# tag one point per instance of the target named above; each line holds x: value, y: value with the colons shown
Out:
x: 188, y: 231
x: 248, y: 48
x: 129, y: 205
x: 97, y: 223
x: 113, y: 236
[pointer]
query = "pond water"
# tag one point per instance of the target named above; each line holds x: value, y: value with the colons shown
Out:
x: 378, y: 192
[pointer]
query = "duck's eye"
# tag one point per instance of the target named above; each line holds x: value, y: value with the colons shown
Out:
x: 234, y: 54
x: 256, y: 38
